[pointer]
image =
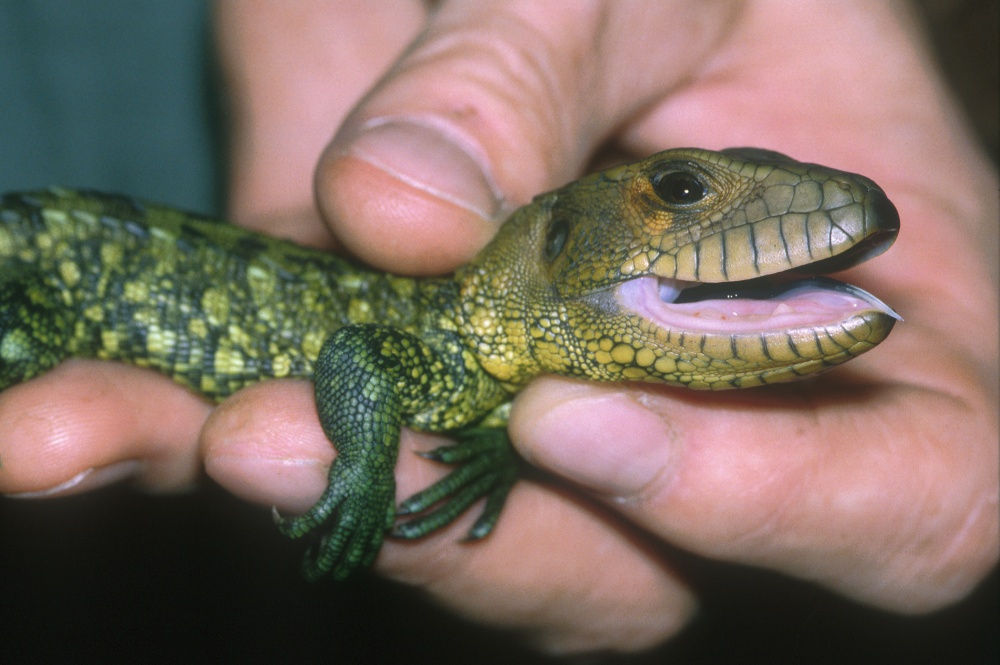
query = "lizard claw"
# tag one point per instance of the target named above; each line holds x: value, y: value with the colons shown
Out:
x: 351, y: 520
x: 487, y: 467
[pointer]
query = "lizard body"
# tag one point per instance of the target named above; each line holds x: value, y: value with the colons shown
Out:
x: 614, y: 277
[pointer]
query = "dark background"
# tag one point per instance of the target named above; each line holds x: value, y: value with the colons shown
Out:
x: 117, y: 95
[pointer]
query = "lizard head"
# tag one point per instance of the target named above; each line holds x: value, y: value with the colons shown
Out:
x: 687, y: 267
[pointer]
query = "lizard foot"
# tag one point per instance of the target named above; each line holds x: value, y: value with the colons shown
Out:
x: 488, y: 468
x: 352, y: 515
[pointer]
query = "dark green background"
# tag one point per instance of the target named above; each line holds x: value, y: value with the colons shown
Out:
x: 109, y: 94
x: 121, y: 96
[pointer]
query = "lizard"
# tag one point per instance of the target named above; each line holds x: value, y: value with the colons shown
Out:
x: 690, y: 267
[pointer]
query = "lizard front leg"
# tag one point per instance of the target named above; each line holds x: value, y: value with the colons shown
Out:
x: 369, y: 380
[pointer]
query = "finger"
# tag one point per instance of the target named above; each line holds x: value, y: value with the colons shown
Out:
x: 855, y: 488
x: 534, y: 574
x: 495, y: 102
x: 86, y: 424
x: 292, y: 72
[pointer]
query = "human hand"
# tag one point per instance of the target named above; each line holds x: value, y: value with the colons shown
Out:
x: 877, y: 481
x: 873, y: 481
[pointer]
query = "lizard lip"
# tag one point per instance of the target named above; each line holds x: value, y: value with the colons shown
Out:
x: 754, y: 306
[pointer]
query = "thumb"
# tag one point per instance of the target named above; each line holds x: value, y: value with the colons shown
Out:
x: 831, y: 481
x: 494, y: 102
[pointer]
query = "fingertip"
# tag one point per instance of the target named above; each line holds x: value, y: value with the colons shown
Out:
x: 408, y: 196
x: 602, y: 438
x: 264, y: 444
x: 86, y: 424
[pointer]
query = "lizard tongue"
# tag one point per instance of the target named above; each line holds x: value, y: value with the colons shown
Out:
x: 721, y: 308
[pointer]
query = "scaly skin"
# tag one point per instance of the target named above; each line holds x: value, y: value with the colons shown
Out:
x: 568, y: 286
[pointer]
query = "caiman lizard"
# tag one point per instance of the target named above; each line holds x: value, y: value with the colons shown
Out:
x: 675, y: 269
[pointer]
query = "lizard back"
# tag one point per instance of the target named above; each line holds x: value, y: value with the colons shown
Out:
x: 214, y: 306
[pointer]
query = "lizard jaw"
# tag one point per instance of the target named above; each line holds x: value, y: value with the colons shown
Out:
x: 729, y: 309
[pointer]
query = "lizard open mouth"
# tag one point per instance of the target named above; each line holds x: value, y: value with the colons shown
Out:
x: 783, y: 301
x: 759, y: 305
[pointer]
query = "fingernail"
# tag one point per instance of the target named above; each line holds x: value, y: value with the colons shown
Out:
x: 87, y: 479
x: 429, y: 158
x: 611, y: 444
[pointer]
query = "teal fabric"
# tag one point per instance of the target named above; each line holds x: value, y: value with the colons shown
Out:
x: 110, y: 95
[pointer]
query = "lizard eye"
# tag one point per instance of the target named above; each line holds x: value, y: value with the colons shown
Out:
x: 555, y: 238
x: 679, y: 187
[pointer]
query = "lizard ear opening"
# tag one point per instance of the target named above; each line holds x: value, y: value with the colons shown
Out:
x: 555, y: 237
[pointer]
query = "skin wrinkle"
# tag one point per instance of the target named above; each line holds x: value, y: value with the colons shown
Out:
x: 983, y: 512
x: 943, y: 548
x: 950, y: 380
x: 523, y: 73
x: 659, y: 484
